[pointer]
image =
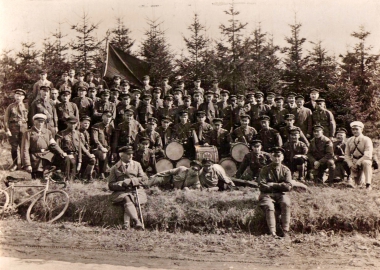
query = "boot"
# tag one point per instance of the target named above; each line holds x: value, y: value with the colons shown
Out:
x: 88, y: 172
x: 131, y: 211
x: 13, y: 168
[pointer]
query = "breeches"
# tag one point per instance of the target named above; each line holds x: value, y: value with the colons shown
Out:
x: 366, y: 171
x: 268, y: 203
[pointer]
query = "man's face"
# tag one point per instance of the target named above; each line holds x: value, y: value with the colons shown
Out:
x: 289, y: 122
x: 209, y: 98
x: 146, y: 81
x: 136, y: 95
x: 318, y: 132
x: 240, y: 102
x: 247, y: 107
x: 340, y: 136
x: 182, y: 86
x: 201, y: 118
x: 291, y: 100
x: 85, y: 124
x: 39, y: 123
x: 196, y: 97
x: 224, y: 97
x: 65, y: 77
x: 264, y: 124
x: 126, y: 157
x: 125, y: 88
x: 151, y: 126
x: 156, y: 95
x: 147, y: 101
x: 279, y: 103
x: 233, y: 102
x: 294, y: 136
x: 277, y: 157
x: 320, y: 105
x: 72, y: 73
x: 44, y: 94
x: 177, y: 95
x: 144, y: 145
x: 259, y: 100
x: 251, y: 99
x: 300, y: 102
x: 218, y: 126
x: 314, y: 96
x: 165, y: 81
x: 115, y: 94
x: 187, y: 103
x: 105, y: 97
x: 90, y: 78
x: 168, y: 102
x: 66, y: 97
x: 43, y: 76
x: 19, y: 98
x: 183, y: 119
x: 126, y: 100
x: 197, y: 84
x: 207, y: 168
x: 117, y: 81
x: 356, y: 131
x: 106, y: 118
x: 81, y: 78
x: 256, y: 148
x: 54, y: 94
x: 244, y: 122
x: 270, y: 99
x: 82, y: 93
x: 128, y: 117
x: 92, y: 93
x: 165, y: 124
x: 194, y: 170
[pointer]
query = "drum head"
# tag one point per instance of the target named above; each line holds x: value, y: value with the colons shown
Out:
x: 229, y: 166
x: 163, y: 165
x: 183, y: 162
x: 238, y: 151
x: 174, y: 151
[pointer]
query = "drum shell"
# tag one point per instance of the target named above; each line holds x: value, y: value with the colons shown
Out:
x: 183, y: 162
x: 238, y: 151
x: 229, y: 165
x: 174, y: 151
x: 164, y: 164
x: 210, y: 152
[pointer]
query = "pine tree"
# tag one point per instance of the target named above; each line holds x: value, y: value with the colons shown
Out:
x: 156, y: 51
x: 7, y: 75
x: 86, y: 44
x: 27, y: 67
x: 121, y: 37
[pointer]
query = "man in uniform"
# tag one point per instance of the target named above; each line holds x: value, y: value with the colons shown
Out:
x: 269, y: 137
x: 85, y: 122
x: 64, y: 82
x: 321, y: 154
x: 101, y: 134
x: 103, y: 105
x: 147, y: 88
x: 54, y: 96
x: 275, y: 183
x: 177, y: 97
x: 188, y: 108
x: 257, y: 110
x: 244, y: 133
x: 202, y: 129
x: 157, y: 102
x: 359, y: 154
x: 66, y: 109
x: 116, y: 82
x: 209, y: 107
x: 167, y: 110
x: 15, y: 124
x: 220, y: 138
x: 185, y: 134
x: 85, y: 105
x: 124, y: 179
x: 270, y: 99
x: 91, y: 93
x: 166, y: 88
x: 43, y: 81
x: 341, y: 166
x: 237, y: 112
x: 124, y: 87
x: 114, y: 96
x: 285, y: 131
x: 71, y: 78
x: 145, y: 110
x: 278, y: 112
x: 45, y: 106
x: 197, y: 87
x: 146, y: 156
x: 255, y: 160
x: 312, y: 104
x: 223, y: 103
x: 71, y: 141
x: 304, y: 118
x: 295, y: 153
x: 135, y: 98
x: 213, y: 177
x: 79, y: 83
x: 197, y: 100
x: 325, y: 118
x: 291, y: 105
x: 37, y: 148
x: 153, y: 136
x: 123, y: 105
x: 165, y: 130
x: 215, y: 87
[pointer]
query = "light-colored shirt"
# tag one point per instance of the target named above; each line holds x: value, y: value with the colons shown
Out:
x: 363, y: 151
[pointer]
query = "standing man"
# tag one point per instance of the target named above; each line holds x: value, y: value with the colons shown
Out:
x: 269, y: 137
x: 289, y: 124
x: 145, y: 110
x: 54, y: 96
x: 79, y: 83
x: 322, y: 116
x: 257, y: 110
x: 244, y: 133
x: 103, y: 105
x: 275, y: 183
x: 209, y: 107
x: 186, y: 107
x: 15, y: 124
x: 278, y: 112
x: 85, y: 105
x: 166, y: 88
x: 341, y: 166
x: 304, y: 117
x: 43, y: 81
x: 197, y: 87
x: 123, y: 105
x: 312, y: 104
x: 66, y: 109
x: 215, y: 87
x: 165, y: 130
x: 157, y: 102
x: 71, y: 78
x: 358, y: 155
x: 147, y: 88
x: 153, y: 136
x: 220, y: 138
x: 167, y: 109
x: 124, y: 177
x: 202, y: 129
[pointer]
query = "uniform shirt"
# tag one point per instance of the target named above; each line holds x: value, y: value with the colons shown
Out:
x: 101, y: 135
x: 202, y: 131
x: 62, y: 84
x: 211, y: 178
x: 236, y: 113
x: 146, y: 89
x: 66, y: 109
x: 147, y: 160
x: 339, y: 148
x: 191, y: 111
x: 15, y: 113
x: 135, y: 103
x: 311, y: 105
x: 85, y: 105
x: 181, y: 178
x: 144, y: 112
x: 244, y: 135
x: 125, y: 134
x: 278, y: 174
x: 326, y: 119
x: 120, y: 111
x: 124, y: 172
x: 277, y: 116
x: 86, y: 138
x: 166, y: 89
x: 269, y: 138
x: 45, y: 107
x: 74, y: 89
x: 101, y: 106
x: 167, y: 135
x: 165, y: 111
x: 255, y: 163
x: 292, y: 149
x: 72, y: 141
x: 182, y: 132
x: 220, y: 138
x: 304, y: 120
x: 196, y: 104
x: 221, y: 106
x: 36, y: 89
x: 177, y: 103
x: 285, y: 134
x: 210, y: 109
x: 321, y: 149
x: 352, y: 153
x: 154, y: 138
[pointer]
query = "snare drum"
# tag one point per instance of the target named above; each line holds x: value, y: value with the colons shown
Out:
x: 163, y: 164
x: 228, y: 165
x: 183, y: 162
x: 174, y: 151
x: 238, y: 151
x: 210, y: 152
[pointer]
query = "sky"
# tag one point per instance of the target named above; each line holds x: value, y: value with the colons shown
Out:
x: 330, y: 21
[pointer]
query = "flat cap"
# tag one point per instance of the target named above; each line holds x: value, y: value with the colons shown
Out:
x: 157, y: 90
x: 152, y: 120
x: 126, y: 149
x: 259, y: 94
x: 224, y: 92
x: 114, y: 89
x: 45, y: 87
x: 295, y: 130
x: 289, y: 116
x: 85, y: 118
x: 146, y: 77
x: 71, y: 119
x: 243, y: 116
x: 201, y: 113
x: 264, y: 118
x: 278, y: 98
x: 177, y: 89
x: 168, y: 97
x: 20, y: 92
x: 256, y: 142
x: 129, y: 111
x: 136, y: 90
x: 66, y: 91
x: 275, y: 150
x: 81, y: 73
x: 207, y: 162
x: 106, y: 92
x: 209, y: 93
x: 183, y: 113
x: 341, y: 130
x: 357, y: 124
x: 300, y: 97
x: 147, y: 96
x: 124, y: 82
x: 82, y: 88
x: 320, y: 100
x: 108, y: 113
x: 167, y: 119
x: 125, y: 95
x: 217, y: 120
x: 233, y: 97
x: 291, y: 94
x: 271, y: 94
x: 144, y: 139
x: 42, y: 71
x: 39, y: 116
x: 197, y: 80
x: 314, y: 90
x: 214, y: 81
x: 318, y: 126
x: 187, y: 97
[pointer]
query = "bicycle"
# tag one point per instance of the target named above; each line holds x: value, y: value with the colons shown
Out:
x: 46, y: 205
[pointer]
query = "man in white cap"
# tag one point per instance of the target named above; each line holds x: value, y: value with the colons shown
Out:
x: 358, y: 155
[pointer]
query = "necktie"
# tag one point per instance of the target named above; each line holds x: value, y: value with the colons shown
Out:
x: 278, y: 173
x: 200, y: 134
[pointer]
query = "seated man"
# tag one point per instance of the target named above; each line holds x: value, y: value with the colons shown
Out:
x: 124, y: 177
x: 213, y: 177
x: 269, y: 137
x: 255, y: 160
x: 145, y: 156
x: 358, y: 155
x: 275, y: 182
x: 341, y: 167
x: 295, y: 153
x: 321, y: 155
x: 220, y: 138
x: 178, y: 178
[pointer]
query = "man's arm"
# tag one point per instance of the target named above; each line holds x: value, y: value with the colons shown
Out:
x: 329, y: 152
x: 25, y: 145
x: 243, y: 166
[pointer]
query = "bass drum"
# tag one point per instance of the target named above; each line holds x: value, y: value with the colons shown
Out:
x: 238, y: 151
x: 183, y: 162
x: 163, y: 164
x: 210, y: 152
x: 229, y: 166
x: 174, y: 151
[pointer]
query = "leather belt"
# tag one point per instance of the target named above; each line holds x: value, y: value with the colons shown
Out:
x: 71, y: 153
x: 40, y: 151
x: 357, y: 157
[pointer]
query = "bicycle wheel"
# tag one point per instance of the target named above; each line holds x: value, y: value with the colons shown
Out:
x: 4, y: 201
x: 48, y: 209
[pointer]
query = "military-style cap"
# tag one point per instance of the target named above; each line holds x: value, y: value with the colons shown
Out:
x: 116, y: 77
x: 39, y: 116
x: 114, y: 89
x: 92, y: 89
x: 357, y: 124
x: 82, y: 88
x: 278, y: 98
x: 187, y: 97
x: 108, y: 113
x: 270, y: 94
x: 295, y: 130
x: 241, y: 97
x: 197, y: 92
x: 250, y: 94
x: 125, y: 95
x: 71, y: 119
x: 214, y: 81
x: 289, y: 116
x: 256, y: 142
x: 129, y: 111
x: 341, y: 130
x: 264, y: 118
x: 243, y: 116
x: 291, y: 94
x: 314, y: 90
x: 197, y: 80
x: 207, y: 162
x: 45, y: 88
x: 126, y: 149
x: 152, y: 120
x: 224, y: 92
x: 157, y: 90
x: 167, y: 119
x: 85, y: 118
x: 144, y: 140
x: 201, y: 113
x: 177, y: 89
x: 259, y: 94
x: 81, y: 73
x: 209, y: 93
x: 168, y: 97
x: 42, y: 71
x: 124, y: 82
x: 106, y: 92
x: 320, y: 100
x: 147, y: 96
x: 300, y: 97
x: 66, y: 91
x: 20, y: 92
x: 183, y: 113
x: 217, y: 120
x: 318, y: 127
x: 233, y: 97
x: 146, y: 77
x: 276, y: 150
x: 136, y: 91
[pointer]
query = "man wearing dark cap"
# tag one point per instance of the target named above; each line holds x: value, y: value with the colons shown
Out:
x: 126, y: 132
x: 135, y: 98
x: 153, y: 136
x: 84, y: 126
x: 90, y: 80
x: 277, y: 113
x: 85, y: 105
x: 147, y: 88
x: 220, y: 138
x: 157, y: 102
x: 64, y: 81
x: 165, y: 130
x: 116, y: 82
x: 325, y: 118
x: 146, y: 156
x: 125, y: 176
x: 209, y: 107
x: 180, y: 84
x: 312, y: 104
x: 178, y: 178
x: 215, y: 87
x: 124, y: 87
x: 43, y: 81
x: 101, y: 136
x: 188, y: 108
x: 275, y: 183
x: 289, y: 124
x: 223, y: 103
x: 213, y: 177
x: 197, y: 87
x: 72, y: 80
x: 255, y: 160
x: 321, y: 155
x: 145, y: 110
x: 38, y: 147
x: 166, y: 88
x: 114, y: 96
x: 71, y: 141
x: 295, y: 153
x: 123, y: 105
x: 202, y: 129
x: 341, y: 167
x: 257, y: 110
x: 66, y: 109
x: 269, y: 137
x: 92, y: 94
x: 79, y: 83
x: 45, y: 105
x: 15, y: 124
x: 167, y: 110
x: 303, y: 117
x: 250, y: 99
x: 237, y: 112
x: 103, y: 105
x: 177, y: 97
x: 197, y: 100
x: 291, y: 102
x: 269, y: 100
x: 185, y: 134
x: 244, y: 133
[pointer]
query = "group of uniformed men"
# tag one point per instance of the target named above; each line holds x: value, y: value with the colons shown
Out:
x: 83, y: 124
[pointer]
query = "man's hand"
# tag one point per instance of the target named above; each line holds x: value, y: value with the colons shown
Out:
x: 92, y: 156
x: 104, y: 150
x: 28, y: 169
x: 114, y: 156
x: 56, y: 129
x: 70, y: 156
x: 308, y: 136
x: 9, y: 133
x: 79, y: 166
x: 316, y: 164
